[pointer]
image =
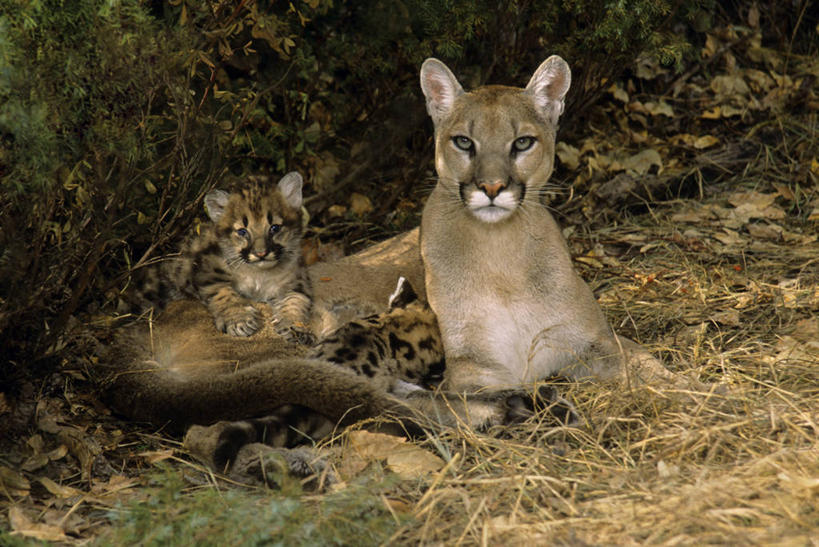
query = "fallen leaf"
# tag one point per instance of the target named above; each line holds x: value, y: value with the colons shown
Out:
x: 59, y: 490
x: 22, y: 525
x: 154, y: 456
x: 32, y: 463
x: 660, y: 108
x: 729, y: 85
x: 705, y: 141
x: 730, y: 238
x: 590, y: 261
x: 714, y: 113
x: 13, y: 481
x: 641, y: 162
x: 413, y: 462
x: 784, y: 191
x: 360, y: 204
x: 336, y: 211
x: 766, y: 231
x: 728, y: 317
x: 568, y: 154
x: 407, y: 460
x: 619, y: 93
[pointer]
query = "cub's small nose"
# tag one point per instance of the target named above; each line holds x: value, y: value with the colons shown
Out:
x: 492, y: 189
x: 260, y: 254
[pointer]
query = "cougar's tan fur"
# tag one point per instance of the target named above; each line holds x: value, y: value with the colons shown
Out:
x: 511, y: 307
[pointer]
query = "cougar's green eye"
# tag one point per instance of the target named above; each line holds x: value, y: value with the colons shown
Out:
x: 241, y: 232
x: 275, y: 228
x: 463, y: 143
x: 523, y: 143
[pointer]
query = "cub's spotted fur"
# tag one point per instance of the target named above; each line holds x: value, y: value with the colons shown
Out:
x: 401, y: 345
x: 399, y: 351
x: 250, y: 252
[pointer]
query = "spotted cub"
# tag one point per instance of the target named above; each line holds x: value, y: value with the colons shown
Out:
x: 398, y: 350
x: 249, y: 252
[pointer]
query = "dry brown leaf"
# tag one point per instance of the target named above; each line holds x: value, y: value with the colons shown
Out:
x: 641, y: 162
x: 727, y: 317
x: 730, y: 238
x: 35, y: 462
x: 336, y: 211
x: 568, y: 154
x: 412, y: 462
x: 714, y: 113
x: 660, y: 108
x: 619, y: 93
x: 360, y: 204
x: 59, y: 490
x: 729, y: 85
x: 13, y: 481
x: 23, y: 526
x: 766, y: 231
x: 705, y: 141
x: 754, y: 204
x: 154, y: 456
x: 403, y: 458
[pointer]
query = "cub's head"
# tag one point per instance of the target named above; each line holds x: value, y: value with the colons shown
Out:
x: 259, y: 223
x: 494, y: 146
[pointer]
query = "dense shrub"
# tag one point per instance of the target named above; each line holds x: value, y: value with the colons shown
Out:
x: 116, y: 116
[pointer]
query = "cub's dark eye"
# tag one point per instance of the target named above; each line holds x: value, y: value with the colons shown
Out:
x: 241, y: 232
x: 275, y: 228
x: 464, y: 143
x: 523, y: 143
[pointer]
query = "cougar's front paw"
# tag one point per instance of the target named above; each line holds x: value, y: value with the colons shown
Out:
x: 239, y: 322
x: 522, y: 406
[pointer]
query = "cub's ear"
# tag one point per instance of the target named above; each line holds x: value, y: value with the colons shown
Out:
x: 215, y: 203
x: 549, y: 85
x: 290, y: 188
x: 440, y: 87
x: 403, y: 296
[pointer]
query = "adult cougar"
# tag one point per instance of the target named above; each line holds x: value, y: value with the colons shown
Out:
x: 499, y: 276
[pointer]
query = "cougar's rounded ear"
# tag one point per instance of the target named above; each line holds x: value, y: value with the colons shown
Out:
x: 440, y: 88
x: 290, y: 188
x: 549, y: 85
x: 215, y: 203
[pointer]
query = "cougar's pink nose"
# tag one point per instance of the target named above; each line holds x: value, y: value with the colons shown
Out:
x: 492, y: 189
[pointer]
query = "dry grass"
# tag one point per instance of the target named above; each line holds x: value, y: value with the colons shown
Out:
x: 654, y: 465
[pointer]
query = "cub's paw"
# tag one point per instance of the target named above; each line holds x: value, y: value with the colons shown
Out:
x: 298, y: 333
x: 522, y: 406
x: 259, y: 464
x: 238, y: 322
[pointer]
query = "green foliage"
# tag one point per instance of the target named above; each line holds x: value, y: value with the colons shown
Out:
x: 174, y: 515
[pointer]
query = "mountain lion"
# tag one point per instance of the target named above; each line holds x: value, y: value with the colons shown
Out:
x: 249, y: 252
x: 499, y: 277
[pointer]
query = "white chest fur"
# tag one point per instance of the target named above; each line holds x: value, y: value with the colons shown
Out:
x: 262, y: 285
x: 508, y: 296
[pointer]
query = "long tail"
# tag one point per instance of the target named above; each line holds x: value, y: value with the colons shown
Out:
x: 160, y: 397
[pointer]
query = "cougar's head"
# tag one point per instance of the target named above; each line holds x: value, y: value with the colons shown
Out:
x: 260, y: 223
x: 494, y: 146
